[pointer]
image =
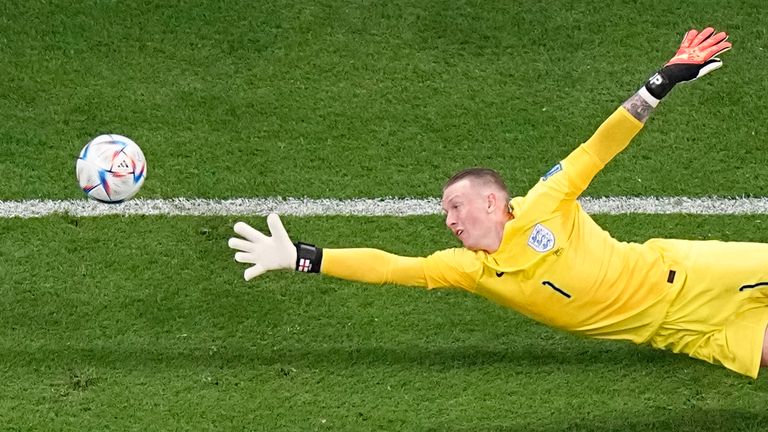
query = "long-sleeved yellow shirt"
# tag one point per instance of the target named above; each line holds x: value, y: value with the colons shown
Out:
x: 555, y: 264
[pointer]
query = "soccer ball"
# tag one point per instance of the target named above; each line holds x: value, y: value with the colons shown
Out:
x: 111, y: 168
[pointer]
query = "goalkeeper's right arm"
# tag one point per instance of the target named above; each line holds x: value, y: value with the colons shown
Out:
x: 458, y: 268
x: 362, y: 265
x: 374, y: 266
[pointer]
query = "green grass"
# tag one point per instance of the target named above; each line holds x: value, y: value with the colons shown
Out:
x: 241, y: 98
x: 131, y: 323
x: 145, y: 323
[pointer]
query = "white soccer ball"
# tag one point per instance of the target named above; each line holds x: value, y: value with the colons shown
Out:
x: 111, y: 168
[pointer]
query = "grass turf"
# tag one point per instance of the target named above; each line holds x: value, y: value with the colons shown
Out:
x: 238, y: 98
x: 130, y: 323
x: 144, y: 322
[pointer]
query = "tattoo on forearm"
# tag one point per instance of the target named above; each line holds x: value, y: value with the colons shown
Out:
x: 638, y: 107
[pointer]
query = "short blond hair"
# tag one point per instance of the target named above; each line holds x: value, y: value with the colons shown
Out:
x: 480, y: 176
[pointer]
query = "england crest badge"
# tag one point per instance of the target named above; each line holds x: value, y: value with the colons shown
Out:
x: 541, y: 239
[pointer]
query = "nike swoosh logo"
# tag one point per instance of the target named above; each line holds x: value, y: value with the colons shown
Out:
x: 499, y: 274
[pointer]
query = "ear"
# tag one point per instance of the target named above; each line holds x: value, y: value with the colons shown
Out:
x: 491, y: 202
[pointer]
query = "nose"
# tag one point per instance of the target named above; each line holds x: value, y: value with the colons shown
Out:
x: 450, y: 220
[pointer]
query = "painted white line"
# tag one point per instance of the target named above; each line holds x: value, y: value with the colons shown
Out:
x: 676, y: 205
x: 358, y: 207
x: 212, y: 207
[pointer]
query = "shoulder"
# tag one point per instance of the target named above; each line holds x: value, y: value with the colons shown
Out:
x: 461, y: 259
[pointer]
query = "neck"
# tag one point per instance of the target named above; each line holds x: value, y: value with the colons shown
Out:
x: 494, y: 240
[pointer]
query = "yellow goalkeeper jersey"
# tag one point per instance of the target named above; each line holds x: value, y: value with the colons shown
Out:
x: 555, y: 264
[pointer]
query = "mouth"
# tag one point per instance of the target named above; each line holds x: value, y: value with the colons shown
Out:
x: 459, y: 232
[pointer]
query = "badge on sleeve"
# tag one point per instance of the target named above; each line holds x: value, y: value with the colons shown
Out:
x: 541, y: 239
x: 554, y: 170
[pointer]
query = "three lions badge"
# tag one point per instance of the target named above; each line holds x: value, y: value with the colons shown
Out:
x: 541, y: 239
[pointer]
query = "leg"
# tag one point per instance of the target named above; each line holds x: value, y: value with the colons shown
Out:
x: 764, y: 360
x: 720, y: 315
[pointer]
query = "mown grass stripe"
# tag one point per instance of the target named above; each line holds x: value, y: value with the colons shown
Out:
x: 359, y: 207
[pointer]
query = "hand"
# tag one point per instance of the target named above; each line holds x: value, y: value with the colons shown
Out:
x: 695, y: 58
x: 265, y: 253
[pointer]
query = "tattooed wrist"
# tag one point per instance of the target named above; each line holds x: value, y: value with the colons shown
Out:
x: 640, y: 108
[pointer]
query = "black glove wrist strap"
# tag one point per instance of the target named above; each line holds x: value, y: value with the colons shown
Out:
x: 308, y: 257
x: 659, y: 84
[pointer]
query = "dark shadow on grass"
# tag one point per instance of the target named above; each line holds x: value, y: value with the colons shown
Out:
x: 694, y: 419
x: 414, y: 356
x: 464, y: 356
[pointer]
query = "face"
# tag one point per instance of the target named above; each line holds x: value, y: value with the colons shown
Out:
x: 470, y: 215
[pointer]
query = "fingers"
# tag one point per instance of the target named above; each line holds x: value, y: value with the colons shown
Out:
x: 716, y: 50
x: 252, y: 272
x: 253, y: 245
x: 714, y: 40
x: 255, y: 270
x: 701, y: 37
x: 700, y: 47
x: 246, y: 257
x: 688, y: 38
x: 704, y: 39
x: 249, y: 232
x: 242, y: 245
x: 276, y: 228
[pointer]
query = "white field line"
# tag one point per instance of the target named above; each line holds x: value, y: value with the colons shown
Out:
x: 358, y: 207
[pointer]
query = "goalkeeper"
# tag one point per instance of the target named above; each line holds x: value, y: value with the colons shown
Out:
x: 543, y: 256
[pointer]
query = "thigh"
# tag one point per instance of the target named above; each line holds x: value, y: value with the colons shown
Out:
x: 739, y: 344
x: 722, y: 279
x: 728, y: 266
x: 720, y: 313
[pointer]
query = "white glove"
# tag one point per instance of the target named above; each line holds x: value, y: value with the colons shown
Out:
x: 265, y: 253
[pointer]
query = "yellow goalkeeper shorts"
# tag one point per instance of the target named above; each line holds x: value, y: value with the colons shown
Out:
x: 720, y: 312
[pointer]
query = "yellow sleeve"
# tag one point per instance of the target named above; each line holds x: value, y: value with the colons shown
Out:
x: 568, y: 179
x: 613, y: 136
x: 448, y: 268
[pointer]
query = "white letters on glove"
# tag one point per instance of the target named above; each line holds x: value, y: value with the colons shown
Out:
x: 696, y: 57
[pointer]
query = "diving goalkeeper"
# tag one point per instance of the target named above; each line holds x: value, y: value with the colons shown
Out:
x: 542, y: 255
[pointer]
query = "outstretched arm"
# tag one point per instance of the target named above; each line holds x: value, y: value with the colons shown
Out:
x: 277, y: 252
x: 695, y: 58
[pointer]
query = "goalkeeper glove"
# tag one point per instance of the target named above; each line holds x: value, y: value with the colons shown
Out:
x: 273, y: 253
x: 695, y: 58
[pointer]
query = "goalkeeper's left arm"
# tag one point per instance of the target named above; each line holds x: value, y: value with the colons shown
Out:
x: 696, y: 57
